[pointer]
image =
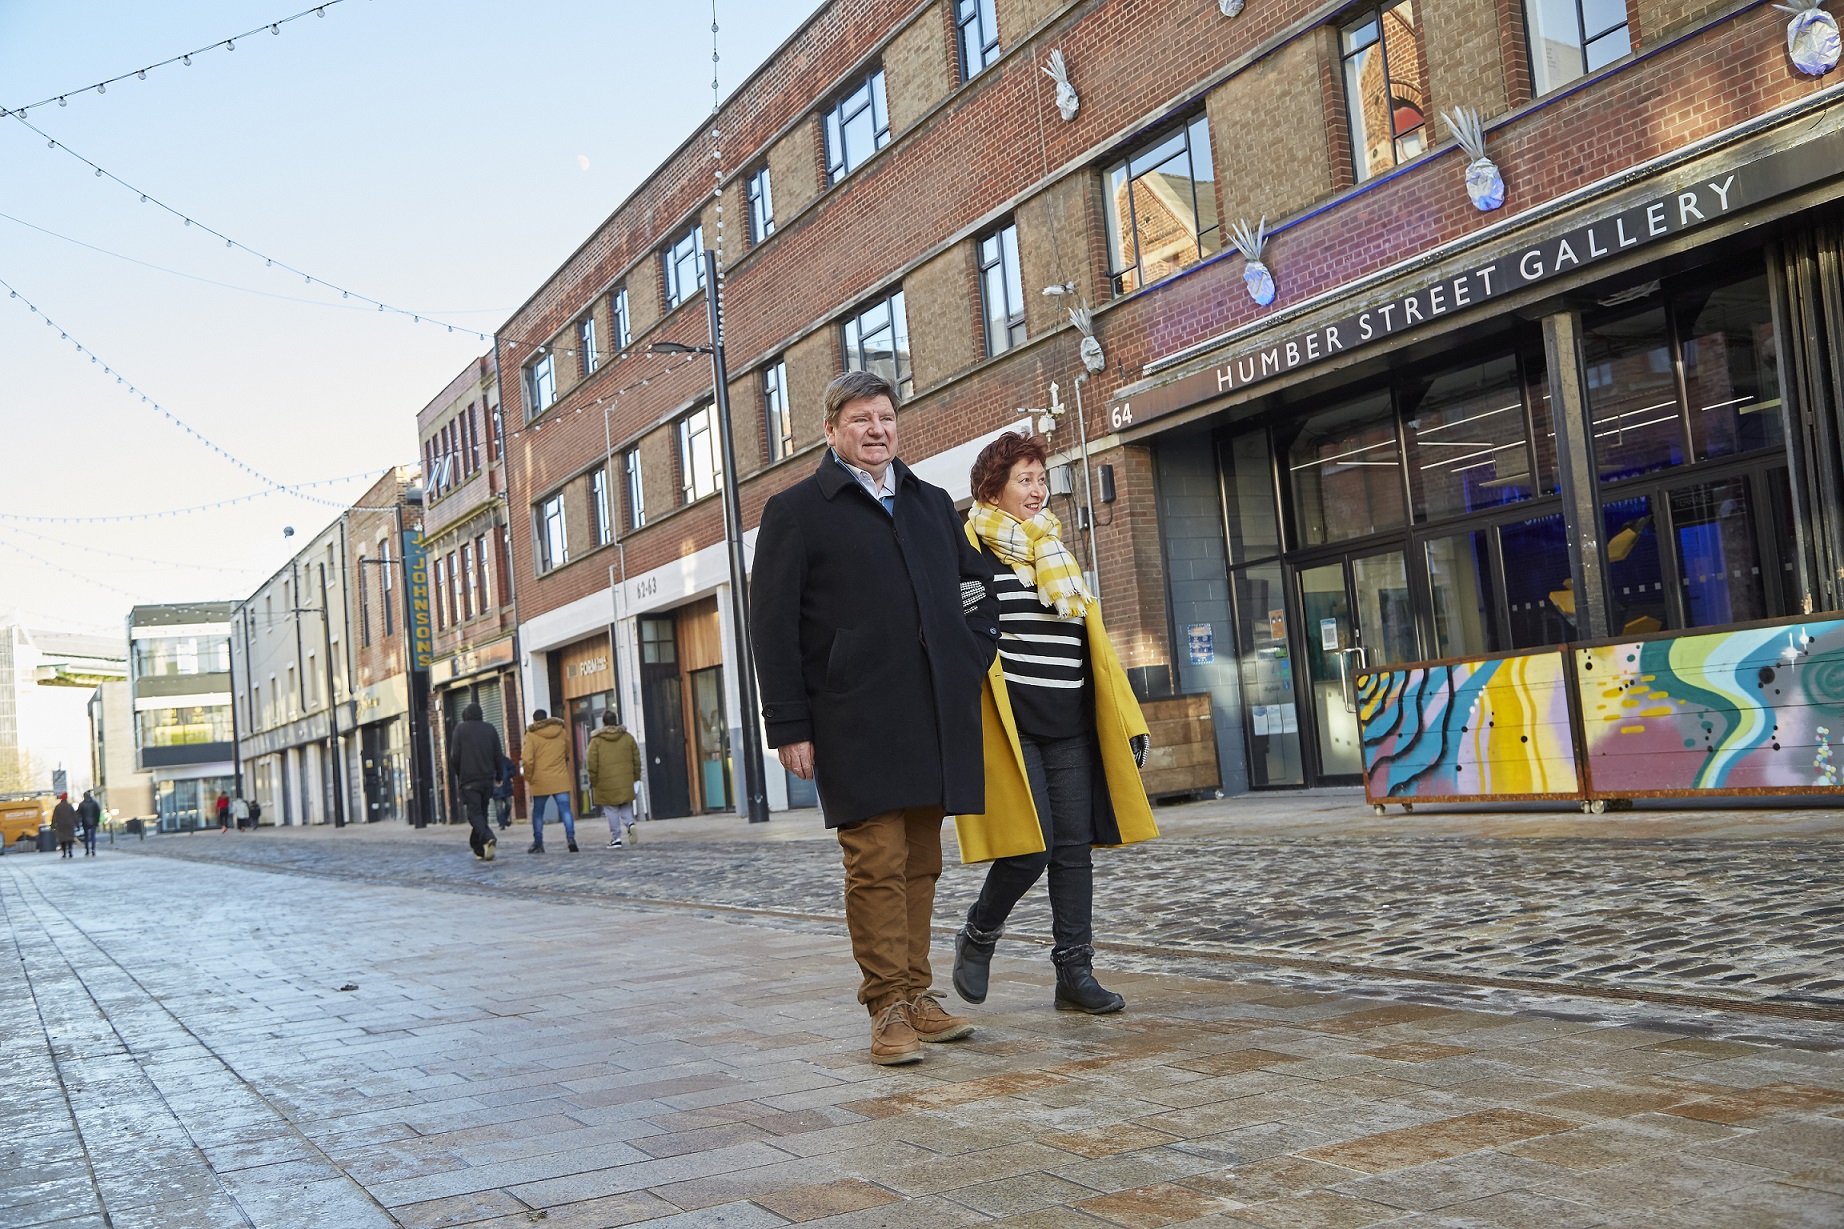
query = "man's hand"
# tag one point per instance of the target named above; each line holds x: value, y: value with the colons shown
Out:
x: 797, y: 758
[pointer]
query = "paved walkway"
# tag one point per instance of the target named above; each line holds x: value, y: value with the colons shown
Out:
x: 191, y: 1042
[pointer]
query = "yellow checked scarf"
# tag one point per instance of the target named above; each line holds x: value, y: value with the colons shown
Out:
x: 1035, y: 551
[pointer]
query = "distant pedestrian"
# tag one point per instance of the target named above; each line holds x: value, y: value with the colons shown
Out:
x: 873, y: 625
x: 223, y: 813
x: 256, y: 814
x: 502, y: 793
x: 476, y: 762
x: 546, y: 757
x: 64, y: 824
x: 614, y: 767
x: 89, y: 815
x: 240, y: 813
x: 1064, y: 735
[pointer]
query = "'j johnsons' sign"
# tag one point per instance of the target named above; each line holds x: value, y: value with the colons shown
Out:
x: 1678, y: 209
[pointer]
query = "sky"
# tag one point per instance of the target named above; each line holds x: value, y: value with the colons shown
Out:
x: 444, y: 156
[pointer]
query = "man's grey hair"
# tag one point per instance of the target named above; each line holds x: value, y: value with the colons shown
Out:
x: 853, y: 386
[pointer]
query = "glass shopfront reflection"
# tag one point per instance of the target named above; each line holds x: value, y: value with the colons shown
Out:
x: 1267, y: 676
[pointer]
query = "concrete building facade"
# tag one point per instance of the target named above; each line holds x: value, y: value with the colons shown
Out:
x: 1362, y: 469
x: 184, y: 728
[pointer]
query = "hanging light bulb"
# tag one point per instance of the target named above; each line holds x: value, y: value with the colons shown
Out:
x: 63, y: 101
x: 274, y: 28
x: 102, y: 87
x: 144, y: 198
x: 142, y: 74
x: 230, y: 44
x: 186, y: 60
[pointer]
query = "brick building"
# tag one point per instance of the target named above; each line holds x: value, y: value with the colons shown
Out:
x: 318, y: 660
x: 470, y: 575
x: 1367, y: 469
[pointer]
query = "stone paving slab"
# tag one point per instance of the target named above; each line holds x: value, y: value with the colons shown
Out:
x: 182, y: 1049
x: 1756, y: 921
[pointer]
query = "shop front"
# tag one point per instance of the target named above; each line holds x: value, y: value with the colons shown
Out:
x: 486, y: 676
x: 587, y: 687
x: 1511, y: 459
x: 686, y: 714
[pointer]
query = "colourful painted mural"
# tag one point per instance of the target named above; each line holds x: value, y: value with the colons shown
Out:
x: 1746, y: 709
x: 1486, y: 729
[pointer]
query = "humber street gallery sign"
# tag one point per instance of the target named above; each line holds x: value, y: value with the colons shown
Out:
x: 1670, y: 211
x: 416, y: 610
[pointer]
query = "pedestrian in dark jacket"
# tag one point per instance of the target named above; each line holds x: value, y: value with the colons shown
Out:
x: 64, y: 824
x: 89, y: 816
x: 474, y: 758
x: 873, y: 624
x: 502, y: 793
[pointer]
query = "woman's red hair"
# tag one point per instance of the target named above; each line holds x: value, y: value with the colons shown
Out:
x: 993, y: 468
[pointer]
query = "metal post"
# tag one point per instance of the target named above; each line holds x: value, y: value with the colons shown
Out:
x: 1088, y: 489
x: 754, y: 779
x: 1573, y: 419
x: 335, y: 761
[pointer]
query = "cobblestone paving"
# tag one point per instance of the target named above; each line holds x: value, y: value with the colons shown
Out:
x: 1751, y: 922
x: 191, y: 1043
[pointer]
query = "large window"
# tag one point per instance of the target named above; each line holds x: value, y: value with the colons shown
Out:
x: 877, y: 339
x: 617, y: 318
x: 761, y: 206
x: 636, y: 490
x: 1386, y: 93
x: 599, y: 518
x: 183, y: 727
x: 480, y: 573
x: 1162, y: 208
x: 553, y: 542
x: 684, y: 266
x: 1572, y: 38
x: 777, y: 419
x: 540, y: 385
x: 181, y: 655
x: 1468, y: 443
x: 976, y: 24
x: 700, y: 462
x: 1001, y: 289
x: 1346, y: 472
x: 856, y: 127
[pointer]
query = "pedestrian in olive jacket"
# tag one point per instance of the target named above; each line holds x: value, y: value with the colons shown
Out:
x: 613, y: 767
x: 546, y: 761
x: 64, y: 824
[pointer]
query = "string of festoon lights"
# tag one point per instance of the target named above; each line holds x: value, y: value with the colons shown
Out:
x: 270, y: 262
x: 213, y: 506
x: 176, y: 420
x: 717, y: 179
x: 670, y: 367
x: 184, y: 58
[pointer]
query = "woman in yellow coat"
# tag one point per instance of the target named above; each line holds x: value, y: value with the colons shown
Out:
x: 1063, y: 735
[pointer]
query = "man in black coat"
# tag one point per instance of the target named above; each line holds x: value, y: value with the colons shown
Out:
x: 89, y: 815
x: 873, y: 624
x: 475, y: 758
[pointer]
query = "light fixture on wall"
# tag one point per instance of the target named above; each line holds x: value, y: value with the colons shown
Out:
x: 1058, y: 71
x: 1255, y: 274
x: 1484, y: 184
x: 1811, y: 37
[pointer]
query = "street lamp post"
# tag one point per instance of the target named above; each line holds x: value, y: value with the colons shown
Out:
x: 754, y: 775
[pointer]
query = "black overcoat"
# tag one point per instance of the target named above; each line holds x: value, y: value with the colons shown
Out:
x: 865, y: 647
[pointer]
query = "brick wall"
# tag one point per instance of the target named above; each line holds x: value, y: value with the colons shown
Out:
x: 1267, y: 136
x: 1464, y: 67
x: 944, y: 336
x: 917, y: 72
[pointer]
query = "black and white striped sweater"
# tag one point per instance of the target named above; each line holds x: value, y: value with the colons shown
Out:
x: 1044, y: 658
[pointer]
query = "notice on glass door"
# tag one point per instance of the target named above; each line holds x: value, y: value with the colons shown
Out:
x: 1328, y: 634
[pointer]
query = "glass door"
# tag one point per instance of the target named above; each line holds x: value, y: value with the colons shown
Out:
x: 1357, y: 612
x: 713, y: 743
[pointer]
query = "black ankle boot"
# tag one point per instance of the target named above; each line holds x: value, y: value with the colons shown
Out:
x: 973, y: 961
x: 1076, y: 987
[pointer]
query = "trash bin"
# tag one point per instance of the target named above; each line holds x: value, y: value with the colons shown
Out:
x: 132, y: 827
x: 47, y: 840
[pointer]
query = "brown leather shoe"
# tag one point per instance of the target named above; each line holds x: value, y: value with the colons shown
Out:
x: 893, y: 1041
x: 931, y: 1023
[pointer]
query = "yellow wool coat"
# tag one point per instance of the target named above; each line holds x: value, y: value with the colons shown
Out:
x: 1009, y: 826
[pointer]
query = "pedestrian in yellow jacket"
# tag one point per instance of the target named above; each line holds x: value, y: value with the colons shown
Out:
x: 545, y: 759
x: 1063, y: 735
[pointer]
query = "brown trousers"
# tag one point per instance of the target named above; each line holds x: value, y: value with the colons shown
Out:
x: 891, y: 864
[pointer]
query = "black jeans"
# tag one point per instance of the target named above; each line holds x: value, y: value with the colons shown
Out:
x: 1059, y: 773
x: 474, y: 801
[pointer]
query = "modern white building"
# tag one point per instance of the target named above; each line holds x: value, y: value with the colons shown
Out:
x: 184, y: 733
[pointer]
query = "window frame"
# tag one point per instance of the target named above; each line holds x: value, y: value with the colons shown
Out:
x: 586, y: 356
x: 601, y: 524
x: 540, y: 379
x: 840, y: 163
x: 1539, y: 88
x: 672, y: 260
x: 1375, y: 11
x: 551, y: 532
x: 636, y: 510
x: 851, y: 348
x: 969, y: 14
x: 618, y: 318
x: 777, y: 417
x: 1004, y: 262
x: 759, y: 193
x: 1182, y: 128
x: 683, y: 429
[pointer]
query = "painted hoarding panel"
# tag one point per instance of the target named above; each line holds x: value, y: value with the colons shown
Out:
x: 1483, y: 729
x: 1745, y: 709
